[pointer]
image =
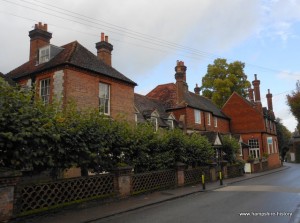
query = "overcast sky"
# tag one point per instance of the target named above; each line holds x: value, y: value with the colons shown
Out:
x: 150, y: 35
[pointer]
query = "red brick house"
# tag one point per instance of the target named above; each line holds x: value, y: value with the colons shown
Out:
x: 193, y: 111
x: 255, y: 124
x: 71, y: 72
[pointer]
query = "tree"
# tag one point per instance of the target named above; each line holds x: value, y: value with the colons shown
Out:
x: 222, y: 79
x: 293, y: 101
x: 23, y: 131
x: 230, y: 147
x: 198, y: 150
x: 283, y: 136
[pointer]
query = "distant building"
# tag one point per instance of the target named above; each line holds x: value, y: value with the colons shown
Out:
x: 193, y: 111
x: 255, y: 124
x: 293, y: 155
x: 244, y: 119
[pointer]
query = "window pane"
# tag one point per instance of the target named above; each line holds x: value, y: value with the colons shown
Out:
x: 104, y: 99
x: 216, y: 121
x: 45, y: 90
x: 197, y: 116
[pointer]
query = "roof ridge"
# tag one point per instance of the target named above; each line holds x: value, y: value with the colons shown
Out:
x: 165, y: 84
x: 71, y: 53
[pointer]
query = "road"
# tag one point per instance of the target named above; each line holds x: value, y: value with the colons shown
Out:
x: 272, y: 198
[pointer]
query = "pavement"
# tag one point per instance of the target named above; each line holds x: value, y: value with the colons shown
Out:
x: 95, y: 210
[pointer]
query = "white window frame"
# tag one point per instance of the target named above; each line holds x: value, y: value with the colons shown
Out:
x: 208, y: 119
x: 270, y: 145
x: 154, y: 123
x: 44, y: 54
x: 135, y: 118
x: 45, y: 86
x: 215, y: 121
x: 104, y: 98
x: 254, y: 148
x: 197, y: 115
x: 267, y: 123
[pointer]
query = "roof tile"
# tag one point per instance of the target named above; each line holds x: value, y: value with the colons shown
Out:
x: 72, y: 54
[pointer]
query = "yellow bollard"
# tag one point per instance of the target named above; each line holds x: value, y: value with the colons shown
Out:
x: 203, y: 181
x: 221, y: 178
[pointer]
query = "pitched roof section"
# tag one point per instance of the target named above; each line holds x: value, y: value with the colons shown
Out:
x: 213, y: 137
x: 146, y: 106
x: 168, y: 95
x: 203, y: 103
x: 73, y: 54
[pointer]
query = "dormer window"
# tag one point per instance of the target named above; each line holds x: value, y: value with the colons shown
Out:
x: 154, y: 122
x: 44, y: 54
x: 170, y: 121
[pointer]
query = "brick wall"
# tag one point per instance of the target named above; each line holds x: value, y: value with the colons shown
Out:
x: 84, y: 89
x: 244, y: 117
x: 8, y: 180
x: 190, y: 120
x: 223, y: 125
x: 274, y: 161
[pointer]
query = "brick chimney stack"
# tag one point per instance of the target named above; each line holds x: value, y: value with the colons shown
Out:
x: 256, y: 84
x: 104, y: 49
x: 181, y: 84
x: 39, y: 37
x: 269, y: 100
x: 197, y: 90
x: 251, y: 98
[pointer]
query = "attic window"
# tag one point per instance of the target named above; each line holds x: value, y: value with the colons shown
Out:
x: 44, y: 54
x: 170, y: 123
x: 154, y: 122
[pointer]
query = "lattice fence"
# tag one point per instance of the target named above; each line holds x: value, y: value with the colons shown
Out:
x: 55, y: 193
x: 153, y: 181
x: 193, y: 176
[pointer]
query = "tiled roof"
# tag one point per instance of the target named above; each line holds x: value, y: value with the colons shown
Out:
x: 147, y: 105
x: 203, y: 103
x: 73, y: 54
x: 167, y: 94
